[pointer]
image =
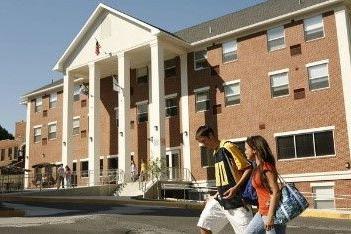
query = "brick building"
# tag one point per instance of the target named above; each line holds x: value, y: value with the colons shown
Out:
x: 279, y: 69
x: 12, y: 151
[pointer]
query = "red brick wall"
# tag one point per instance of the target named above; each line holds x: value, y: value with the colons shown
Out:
x: 282, y: 114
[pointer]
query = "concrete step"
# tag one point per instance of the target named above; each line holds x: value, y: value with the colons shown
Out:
x: 130, y: 189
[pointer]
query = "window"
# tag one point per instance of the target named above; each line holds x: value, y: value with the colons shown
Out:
x: 116, y: 116
x: 53, y: 100
x: 200, y: 60
x: 9, y: 153
x: 37, y: 134
x: 76, y: 92
x: 314, y: 28
x: 38, y: 104
x: 202, y: 100
x: 207, y: 159
x: 112, y: 163
x: 302, y: 145
x: 275, y: 38
x: 170, y: 68
x: 279, y: 84
x: 323, y: 197
x: 171, y: 106
x: 52, y: 131
x: 15, y: 152
x: 2, y: 154
x: 101, y: 167
x: 232, y: 93
x: 84, y: 169
x: 142, y: 112
x: 229, y: 50
x: 318, y: 75
x: 142, y: 75
x: 76, y: 126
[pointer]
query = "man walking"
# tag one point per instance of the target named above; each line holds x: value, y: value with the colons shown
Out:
x: 232, y: 171
x: 61, y: 176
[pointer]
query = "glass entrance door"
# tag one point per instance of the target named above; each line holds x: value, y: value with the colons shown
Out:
x: 173, y: 164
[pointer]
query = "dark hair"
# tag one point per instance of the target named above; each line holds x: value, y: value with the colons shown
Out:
x: 204, y: 131
x: 264, y: 154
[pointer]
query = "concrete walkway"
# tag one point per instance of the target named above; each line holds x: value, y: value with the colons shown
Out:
x: 110, y: 200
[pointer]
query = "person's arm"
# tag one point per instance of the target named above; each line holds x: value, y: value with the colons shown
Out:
x: 232, y: 191
x: 274, y: 200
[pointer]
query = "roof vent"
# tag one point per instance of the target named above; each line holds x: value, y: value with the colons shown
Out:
x: 209, y: 29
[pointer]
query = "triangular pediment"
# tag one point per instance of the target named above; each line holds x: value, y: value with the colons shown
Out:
x: 113, y: 30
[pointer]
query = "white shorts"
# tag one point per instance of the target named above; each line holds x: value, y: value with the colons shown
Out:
x: 214, y: 217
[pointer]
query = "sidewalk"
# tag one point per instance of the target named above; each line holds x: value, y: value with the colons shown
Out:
x: 110, y: 200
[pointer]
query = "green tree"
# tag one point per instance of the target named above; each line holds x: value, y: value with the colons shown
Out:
x: 4, y: 134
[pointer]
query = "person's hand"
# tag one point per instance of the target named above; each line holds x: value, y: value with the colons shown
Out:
x: 230, y: 193
x: 269, y: 225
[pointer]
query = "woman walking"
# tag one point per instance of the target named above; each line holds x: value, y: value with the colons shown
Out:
x: 264, y: 180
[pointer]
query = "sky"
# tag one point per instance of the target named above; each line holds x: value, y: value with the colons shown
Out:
x: 35, y: 33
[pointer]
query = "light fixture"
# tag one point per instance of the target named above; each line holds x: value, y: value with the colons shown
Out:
x: 156, y: 128
x: 121, y: 134
x: 64, y: 143
x: 347, y: 165
x: 150, y: 139
x: 91, y: 138
x: 185, y: 133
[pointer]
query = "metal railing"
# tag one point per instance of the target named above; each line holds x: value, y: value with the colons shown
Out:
x: 46, y: 181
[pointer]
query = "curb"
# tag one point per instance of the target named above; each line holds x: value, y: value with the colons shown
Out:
x: 95, y: 201
x: 310, y: 213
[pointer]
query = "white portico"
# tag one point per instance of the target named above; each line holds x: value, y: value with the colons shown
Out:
x: 123, y: 43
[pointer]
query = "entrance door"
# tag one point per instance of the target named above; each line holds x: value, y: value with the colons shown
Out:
x: 173, y: 164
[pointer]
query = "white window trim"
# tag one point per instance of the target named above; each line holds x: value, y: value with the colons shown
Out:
x: 202, y: 89
x: 314, y: 130
x: 49, y: 124
x: 278, y: 72
x: 317, y: 63
x: 284, y: 36
x: 75, y: 118
x: 304, y: 31
x: 232, y: 83
x: 41, y: 132
x: 84, y: 159
x: 238, y: 139
x: 322, y: 184
x: 235, y: 50
x: 74, y: 161
x: 173, y: 95
x: 273, y: 73
x: 302, y: 131
x: 37, y: 126
x: 142, y: 102
x: 112, y: 156
x: 194, y: 62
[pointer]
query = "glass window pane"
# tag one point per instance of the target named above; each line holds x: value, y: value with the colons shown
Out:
x: 232, y: 89
x: 280, y: 79
x: 200, y: 55
x: 232, y: 100
x: 313, y: 23
x: 324, y: 142
x: 319, y: 83
x: 280, y: 91
x: 229, y: 46
x: 202, y: 106
x: 276, y: 44
x: 304, y: 145
x: 285, y: 147
x: 203, y: 96
x: 230, y: 56
x: 275, y: 33
x: 318, y: 71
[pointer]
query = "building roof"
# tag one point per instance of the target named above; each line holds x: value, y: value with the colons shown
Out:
x: 48, y: 86
x: 248, y: 16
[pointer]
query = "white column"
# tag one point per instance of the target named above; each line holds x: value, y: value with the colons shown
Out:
x: 157, y: 124
x: 343, y: 34
x: 26, y: 156
x: 184, y: 111
x: 94, y: 125
x: 123, y: 115
x: 67, y: 120
x: 150, y: 114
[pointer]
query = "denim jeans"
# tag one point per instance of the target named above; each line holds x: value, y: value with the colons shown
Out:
x: 256, y: 226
